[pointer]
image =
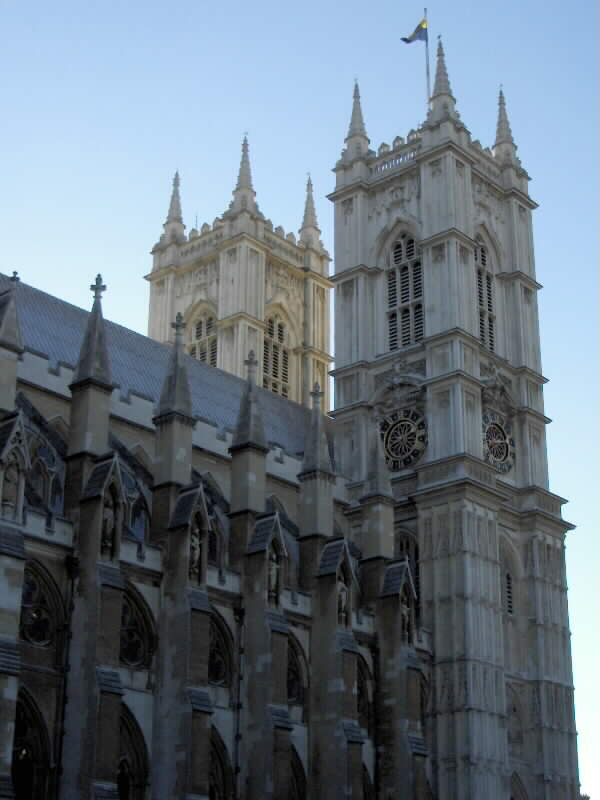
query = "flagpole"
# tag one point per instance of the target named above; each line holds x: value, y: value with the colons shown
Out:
x: 427, y: 61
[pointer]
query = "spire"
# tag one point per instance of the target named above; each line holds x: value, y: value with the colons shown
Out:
x: 378, y: 475
x: 357, y: 123
x: 250, y: 431
x: 503, y: 131
x: 441, y: 85
x: 316, y: 448
x: 244, y: 180
x: 442, y: 104
x: 175, y: 396
x: 93, y: 363
x: 310, y: 227
x: 174, y: 214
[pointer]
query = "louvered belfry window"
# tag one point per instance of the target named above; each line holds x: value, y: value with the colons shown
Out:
x: 204, y: 340
x: 276, y: 357
x: 405, y: 313
x: 485, y: 297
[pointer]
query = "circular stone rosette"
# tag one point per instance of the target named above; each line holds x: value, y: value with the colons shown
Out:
x: 498, y: 442
x: 404, y: 435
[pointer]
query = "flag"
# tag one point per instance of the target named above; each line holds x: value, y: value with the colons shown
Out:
x: 419, y: 33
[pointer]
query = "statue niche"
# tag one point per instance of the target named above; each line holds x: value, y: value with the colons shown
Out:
x: 108, y: 539
x: 273, y: 575
x: 343, y: 600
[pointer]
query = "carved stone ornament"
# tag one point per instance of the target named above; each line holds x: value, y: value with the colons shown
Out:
x: 496, y: 427
x: 398, y: 407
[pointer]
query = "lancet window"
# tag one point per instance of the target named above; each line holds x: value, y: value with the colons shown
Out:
x: 405, y: 310
x: 485, y: 296
x: 38, y: 615
x: 276, y: 357
x: 137, y: 635
x: 204, y: 340
x: 408, y: 547
x: 219, y: 657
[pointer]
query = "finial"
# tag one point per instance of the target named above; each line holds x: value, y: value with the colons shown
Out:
x: 179, y: 327
x: 357, y: 123
x: 251, y: 364
x: 15, y: 277
x: 174, y: 214
x: 316, y: 395
x: 309, y: 219
x: 442, y: 83
x: 503, y: 131
x: 98, y: 288
x: 244, y: 180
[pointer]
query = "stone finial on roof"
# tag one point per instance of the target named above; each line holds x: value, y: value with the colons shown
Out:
x: 503, y: 131
x: 442, y: 100
x: 244, y: 180
x: 175, y: 396
x: 251, y: 364
x: 310, y: 227
x: 174, y: 214
x: 250, y: 430
x: 441, y: 85
x: 316, y: 448
x: 504, y: 147
x: 93, y: 363
x: 10, y: 330
x: 357, y: 123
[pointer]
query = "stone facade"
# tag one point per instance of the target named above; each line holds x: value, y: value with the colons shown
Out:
x: 242, y: 285
x: 212, y: 592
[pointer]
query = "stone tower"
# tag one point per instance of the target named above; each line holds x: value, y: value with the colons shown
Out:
x: 242, y: 285
x: 437, y: 349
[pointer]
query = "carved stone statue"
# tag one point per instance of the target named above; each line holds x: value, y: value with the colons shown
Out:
x: 405, y: 617
x: 195, y: 550
x: 107, y: 540
x: 273, y: 570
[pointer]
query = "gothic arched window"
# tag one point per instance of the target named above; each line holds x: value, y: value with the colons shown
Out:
x: 132, y: 775
x: 406, y: 323
x: 408, y: 547
x: 219, y: 656
x: 296, y: 682
x: 12, y: 487
x: 220, y: 776
x: 276, y: 357
x: 39, y: 479
x: 139, y: 519
x: 364, y: 704
x: 31, y: 752
x: 485, y: 296
x: 204, y: 339
x: 137, y: 639
x: 38, y: 614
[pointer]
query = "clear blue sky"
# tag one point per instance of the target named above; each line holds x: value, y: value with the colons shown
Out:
x: 101, y: 102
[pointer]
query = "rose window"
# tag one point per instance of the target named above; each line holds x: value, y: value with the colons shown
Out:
x: 497, y: 442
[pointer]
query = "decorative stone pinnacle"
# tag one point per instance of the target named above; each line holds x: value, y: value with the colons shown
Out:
x: 309, y: 219
x: 174, y: 214
x: 179, y: 327
x: 97, y: 287
x: 316, y: 395
x: 357, y: 123
x: 503, y: 131
x: 251, y: 364
x: 244, y: 180
x: 442, y: 82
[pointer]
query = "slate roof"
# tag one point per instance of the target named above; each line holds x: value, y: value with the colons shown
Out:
x: 396, y: 574
x: 54, y: 329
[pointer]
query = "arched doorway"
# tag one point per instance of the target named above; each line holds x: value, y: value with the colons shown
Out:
x: 31, y: 752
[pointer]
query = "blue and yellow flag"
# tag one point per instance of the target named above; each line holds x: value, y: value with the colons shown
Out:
x: 419, y: 33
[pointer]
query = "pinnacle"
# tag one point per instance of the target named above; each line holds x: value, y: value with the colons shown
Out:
x: 175, y: 396
x: 503, y: 131
x: 357, y: 123
x: 174, y: 214
x: 316, y: 448
x: 93, y: 362
x: 244, y: 180
x: 250, y: 430
x: 310, y: 215
x: 442, y: 83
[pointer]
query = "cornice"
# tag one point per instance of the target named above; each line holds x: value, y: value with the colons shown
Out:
x: 519, y: 275
x: 359, y: 269
x: 441, y: 236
